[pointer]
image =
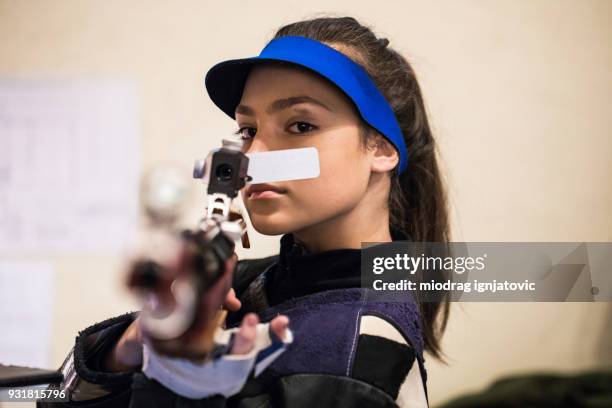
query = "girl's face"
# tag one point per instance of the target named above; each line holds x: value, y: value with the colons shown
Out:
x: 287, y: 107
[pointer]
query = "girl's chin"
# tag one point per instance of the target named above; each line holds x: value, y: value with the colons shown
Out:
x: 270, y: 228
x: 271, y: 224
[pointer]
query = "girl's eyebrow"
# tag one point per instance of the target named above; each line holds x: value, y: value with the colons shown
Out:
x: 281, y: 104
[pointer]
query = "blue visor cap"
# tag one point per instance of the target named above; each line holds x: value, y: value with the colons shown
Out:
x: 225, y: 83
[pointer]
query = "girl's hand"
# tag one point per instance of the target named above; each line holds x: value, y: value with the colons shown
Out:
x: 126, y: 355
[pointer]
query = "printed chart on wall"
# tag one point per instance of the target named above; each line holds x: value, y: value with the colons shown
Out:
x: 26, y: 305
x: 68, y: 165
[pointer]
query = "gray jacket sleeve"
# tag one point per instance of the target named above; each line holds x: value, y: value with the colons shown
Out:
x: 89, y: 385
x: 84, y: 379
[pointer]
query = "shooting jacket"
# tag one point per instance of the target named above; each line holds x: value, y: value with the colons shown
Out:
x: 332, y: 361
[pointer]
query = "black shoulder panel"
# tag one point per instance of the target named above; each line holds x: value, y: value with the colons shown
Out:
x: 382, y: 362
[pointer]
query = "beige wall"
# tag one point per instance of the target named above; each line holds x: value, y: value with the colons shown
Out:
x: 519, y: 96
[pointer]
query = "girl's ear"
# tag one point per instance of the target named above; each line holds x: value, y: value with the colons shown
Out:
x: 384, y: 157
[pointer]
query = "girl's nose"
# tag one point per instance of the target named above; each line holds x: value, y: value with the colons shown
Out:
x: 259, y: 143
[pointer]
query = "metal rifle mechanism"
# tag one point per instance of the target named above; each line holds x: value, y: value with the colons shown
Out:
x: 175, y: 299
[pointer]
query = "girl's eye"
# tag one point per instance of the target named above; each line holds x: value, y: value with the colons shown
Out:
x: 302, y: 127
x: 250, y: 132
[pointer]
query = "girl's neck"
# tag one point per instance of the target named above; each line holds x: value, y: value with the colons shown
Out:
x: 346, y: 230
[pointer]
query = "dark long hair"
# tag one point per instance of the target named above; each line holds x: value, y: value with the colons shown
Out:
x: 417, y: 199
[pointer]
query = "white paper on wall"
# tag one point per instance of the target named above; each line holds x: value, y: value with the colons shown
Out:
x: 68, y: 165
x: 26, y: 313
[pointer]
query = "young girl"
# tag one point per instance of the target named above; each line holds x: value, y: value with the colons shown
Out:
x: 327, y: 83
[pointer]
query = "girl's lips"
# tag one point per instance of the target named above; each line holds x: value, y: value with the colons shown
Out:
x: 266, y: 194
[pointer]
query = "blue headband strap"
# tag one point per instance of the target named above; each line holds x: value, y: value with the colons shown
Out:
x: 350, y: 77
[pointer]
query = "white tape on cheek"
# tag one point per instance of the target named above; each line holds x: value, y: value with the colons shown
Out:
x: 283, y: 165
